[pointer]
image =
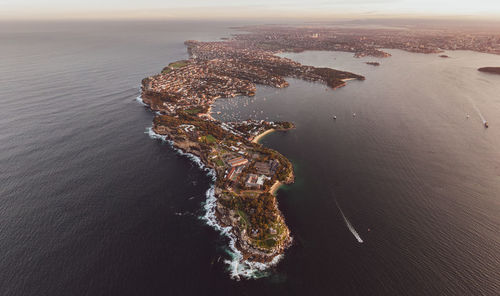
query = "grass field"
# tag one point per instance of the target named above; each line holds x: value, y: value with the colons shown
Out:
x: 219, y: 162
x: 210, y: 139
x: 178, y: 64
x: 194, y: 111
x: 174, y: 65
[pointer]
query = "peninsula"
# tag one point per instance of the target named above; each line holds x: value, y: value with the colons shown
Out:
x: 247, y: 174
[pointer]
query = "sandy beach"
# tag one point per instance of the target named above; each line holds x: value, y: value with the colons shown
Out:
x: 275, y: 187
x: 260, y: 136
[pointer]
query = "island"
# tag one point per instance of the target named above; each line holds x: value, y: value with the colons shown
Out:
x: 492, y: 70
x: 246, y: 174
x: 373, y: 63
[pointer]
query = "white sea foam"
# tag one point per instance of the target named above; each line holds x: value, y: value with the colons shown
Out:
x: 154, y: 135
x: 349, y: 225
x: 237, y: 267
x: 477, y: 110
x: 139, y: 99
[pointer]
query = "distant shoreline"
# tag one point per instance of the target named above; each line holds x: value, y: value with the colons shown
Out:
x: 492, y: 70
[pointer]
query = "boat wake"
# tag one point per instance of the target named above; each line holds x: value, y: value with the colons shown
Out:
x: 477, y: 110
x: 237, y: 267
x: 349, y: 225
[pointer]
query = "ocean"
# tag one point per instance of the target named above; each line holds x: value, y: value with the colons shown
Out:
x: 91, y: 204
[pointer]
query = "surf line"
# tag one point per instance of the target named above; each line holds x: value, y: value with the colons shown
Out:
x: 349, y: 225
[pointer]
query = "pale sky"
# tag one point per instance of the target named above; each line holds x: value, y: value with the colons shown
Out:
x: 27, y: 9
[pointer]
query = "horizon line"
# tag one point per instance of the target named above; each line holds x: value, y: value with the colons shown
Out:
x: 495, y: 18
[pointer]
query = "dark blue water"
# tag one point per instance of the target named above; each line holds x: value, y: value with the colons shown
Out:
x: 91, y: 205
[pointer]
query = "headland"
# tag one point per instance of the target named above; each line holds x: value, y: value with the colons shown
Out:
x: 247, y: 174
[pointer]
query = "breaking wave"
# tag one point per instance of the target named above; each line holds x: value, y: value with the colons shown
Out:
x: 237, y: 267
x: 139, y: 99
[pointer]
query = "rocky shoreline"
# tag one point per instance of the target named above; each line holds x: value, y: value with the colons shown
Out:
x: 225, y: 216
x: 246, y: 174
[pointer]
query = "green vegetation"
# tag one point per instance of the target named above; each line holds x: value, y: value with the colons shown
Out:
x: 285, y: 168
x: 284, y: 124
x: 257, y: 209
x: 194, y: 111
x: 209, y: 139
x: 219, y: 162
x: 174, y: 65
x: 250, y: 194
x: 268, y: 243
x: 244, y: 218
x: 258, y: 212
x: 178, y: 64
x: 201, y: 125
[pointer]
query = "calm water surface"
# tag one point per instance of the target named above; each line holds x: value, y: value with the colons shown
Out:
x: 90, y: 205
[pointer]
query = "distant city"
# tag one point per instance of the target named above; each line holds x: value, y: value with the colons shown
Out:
x: 369, y: 42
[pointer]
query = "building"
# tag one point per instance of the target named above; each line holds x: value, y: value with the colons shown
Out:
x: 274, y: 165
x: 234, y: 172
x: 255, y: 181
x: 267, y: 168
x: 231, y: 175
x: 263, y: 168
x: 238, y: 161
x: 252, y: 181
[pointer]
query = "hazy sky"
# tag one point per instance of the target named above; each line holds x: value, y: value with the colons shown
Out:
x: 244, y: 8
